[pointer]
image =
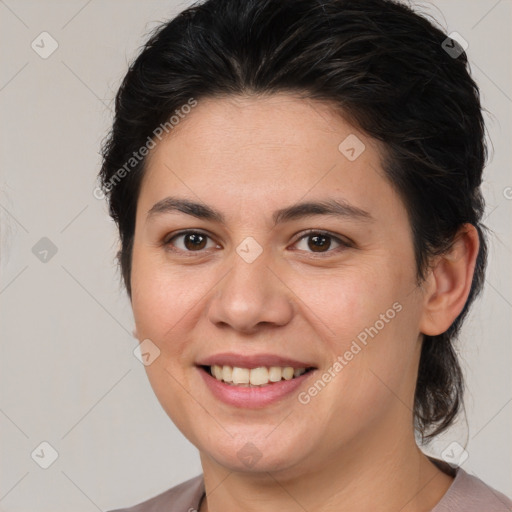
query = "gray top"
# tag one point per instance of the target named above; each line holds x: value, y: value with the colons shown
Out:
x: 466, y: 494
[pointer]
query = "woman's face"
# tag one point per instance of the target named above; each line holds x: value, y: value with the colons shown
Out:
x: 265, y: 283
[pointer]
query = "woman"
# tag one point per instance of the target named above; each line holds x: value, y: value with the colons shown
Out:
x: 297, y: 190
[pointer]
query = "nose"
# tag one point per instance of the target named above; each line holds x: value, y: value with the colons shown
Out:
x: 250, y: 297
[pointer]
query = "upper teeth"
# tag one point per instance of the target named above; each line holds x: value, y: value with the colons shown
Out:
x: 255, y: 376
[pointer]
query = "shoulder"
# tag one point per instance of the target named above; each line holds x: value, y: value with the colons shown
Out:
x: 182, y: 498
x: 470, y: 494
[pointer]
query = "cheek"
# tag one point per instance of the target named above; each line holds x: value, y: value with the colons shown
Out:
x: 350, y: 300
x: 163, y: 307
x: 163, y: 298
x: 370, y: 320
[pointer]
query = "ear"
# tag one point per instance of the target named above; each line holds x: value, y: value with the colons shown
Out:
x: 449, y: 282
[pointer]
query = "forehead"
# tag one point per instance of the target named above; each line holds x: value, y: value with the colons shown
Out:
x: 265, y: 150
x: 277, y: 122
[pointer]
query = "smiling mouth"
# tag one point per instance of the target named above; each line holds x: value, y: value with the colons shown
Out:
x: 254, y: 377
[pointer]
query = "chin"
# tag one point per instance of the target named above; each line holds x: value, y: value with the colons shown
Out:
x: 240, y: 454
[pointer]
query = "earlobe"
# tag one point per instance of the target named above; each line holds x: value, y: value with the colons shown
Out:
x: 449, y: 282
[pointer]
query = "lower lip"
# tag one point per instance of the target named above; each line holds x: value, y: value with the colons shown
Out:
x: 252, y: 397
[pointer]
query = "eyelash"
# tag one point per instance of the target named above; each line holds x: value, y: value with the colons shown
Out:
x: 343, y: 244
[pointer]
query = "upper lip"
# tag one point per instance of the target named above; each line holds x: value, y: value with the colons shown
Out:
x: 251, y: 361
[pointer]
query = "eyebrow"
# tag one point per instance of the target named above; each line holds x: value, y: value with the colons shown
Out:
x: 333, y: 207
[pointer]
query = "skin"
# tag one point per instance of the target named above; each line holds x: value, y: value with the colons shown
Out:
x: 352, y: 446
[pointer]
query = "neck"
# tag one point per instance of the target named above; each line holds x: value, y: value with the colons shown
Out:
x: 371, y: 475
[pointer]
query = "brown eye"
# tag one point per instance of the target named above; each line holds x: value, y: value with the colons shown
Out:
x: 189, y: 241
x: 318, y: 242
x: 194, y: 241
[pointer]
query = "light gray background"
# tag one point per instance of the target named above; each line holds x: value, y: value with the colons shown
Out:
x: 68, y: 374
